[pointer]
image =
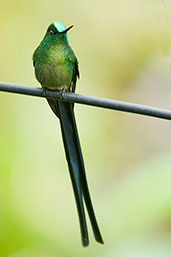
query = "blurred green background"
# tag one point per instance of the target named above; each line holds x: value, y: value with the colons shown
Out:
x: 123, y: 48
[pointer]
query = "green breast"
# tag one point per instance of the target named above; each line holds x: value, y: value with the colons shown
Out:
x: 53, y: 66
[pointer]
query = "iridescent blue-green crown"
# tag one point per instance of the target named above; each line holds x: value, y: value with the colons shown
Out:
x: 59, y: 26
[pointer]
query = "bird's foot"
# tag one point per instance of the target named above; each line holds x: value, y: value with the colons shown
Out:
x: 60, y: 94
x: 44, y: 91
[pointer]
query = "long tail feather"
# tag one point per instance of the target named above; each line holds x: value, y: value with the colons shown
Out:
x: 85, y: 189
x: 64, y: 112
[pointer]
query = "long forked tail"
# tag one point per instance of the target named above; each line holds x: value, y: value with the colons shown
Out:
x: 64, y: 111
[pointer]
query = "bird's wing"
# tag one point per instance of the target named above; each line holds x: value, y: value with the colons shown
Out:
x: 75, y: 74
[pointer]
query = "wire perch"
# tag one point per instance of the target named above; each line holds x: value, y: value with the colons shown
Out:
x: 89, y: 100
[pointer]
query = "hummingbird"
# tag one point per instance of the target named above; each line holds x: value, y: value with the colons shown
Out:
x: 56, y: 68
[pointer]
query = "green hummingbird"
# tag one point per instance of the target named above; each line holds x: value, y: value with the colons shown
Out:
x: 56, y: 68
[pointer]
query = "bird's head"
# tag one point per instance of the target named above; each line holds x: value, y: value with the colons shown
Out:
x: 56, y: 31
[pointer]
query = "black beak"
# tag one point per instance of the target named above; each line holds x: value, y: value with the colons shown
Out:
x: 66, y: 30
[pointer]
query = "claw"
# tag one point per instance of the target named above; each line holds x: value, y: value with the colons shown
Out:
x: 44, y: 91
x: 60, y: 94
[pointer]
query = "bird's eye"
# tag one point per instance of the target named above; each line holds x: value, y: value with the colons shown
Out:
x: 51, y: 32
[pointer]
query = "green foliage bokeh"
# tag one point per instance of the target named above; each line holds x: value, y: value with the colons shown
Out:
x: 123, y: 48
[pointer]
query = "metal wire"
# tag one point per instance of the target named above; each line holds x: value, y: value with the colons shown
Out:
x: 88, y: 100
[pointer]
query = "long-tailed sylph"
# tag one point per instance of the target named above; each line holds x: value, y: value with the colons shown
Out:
x: 56, y: 68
